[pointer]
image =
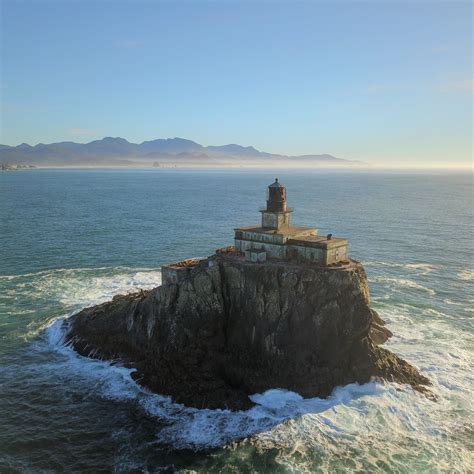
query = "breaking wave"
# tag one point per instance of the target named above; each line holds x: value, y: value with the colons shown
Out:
x: 382, y: 420
x: 191, y: 428
x: 466, y: 275
x: 353, y: 417
x: 402, y: 283
x: 423, y: 267
x: 387, y: 420
x: 80, y: 287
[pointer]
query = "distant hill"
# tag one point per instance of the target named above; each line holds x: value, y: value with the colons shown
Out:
x: 163, y: 152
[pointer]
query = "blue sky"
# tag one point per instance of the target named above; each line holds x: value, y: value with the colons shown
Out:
x: 383, y: 82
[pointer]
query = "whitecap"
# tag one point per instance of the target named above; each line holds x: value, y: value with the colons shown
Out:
x: 425, y: 267
x: 376, y: 263
x: 402, y: 283
x: 74, y: 270
x: 466, y: 275
x: 451, y: 302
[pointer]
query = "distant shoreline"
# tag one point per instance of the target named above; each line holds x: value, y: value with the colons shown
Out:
x: 340, y: 169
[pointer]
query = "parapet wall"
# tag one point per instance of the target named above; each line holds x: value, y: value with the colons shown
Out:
x: 176, y: 272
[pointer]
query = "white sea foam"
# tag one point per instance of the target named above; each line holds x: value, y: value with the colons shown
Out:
x: 401, y: 283
x: 354, y: 417
x: 110, y: 380
x: 190, y: 427
x: 80, y: 287
x: 187, y: 427
x: 66, y: 271
x: 466, y: 275
x: 80, y: 292
x: 451, y: 302
x: 378, y: 263
x: 373, y: 417
x: 422, y: 267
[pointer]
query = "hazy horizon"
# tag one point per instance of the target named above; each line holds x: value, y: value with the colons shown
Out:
x: 247, y: 162
x: 360, y: 81
x: 292, y: 162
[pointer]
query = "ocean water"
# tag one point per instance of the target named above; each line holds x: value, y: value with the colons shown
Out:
x: 73, y: 238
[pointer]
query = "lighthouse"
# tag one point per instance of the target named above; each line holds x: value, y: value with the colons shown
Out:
x: 277, y: 239
x: 276, y: 215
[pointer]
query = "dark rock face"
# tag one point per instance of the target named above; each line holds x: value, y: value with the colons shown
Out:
x: 234, y: 328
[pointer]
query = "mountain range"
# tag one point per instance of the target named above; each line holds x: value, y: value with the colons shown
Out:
x: 162, y: 152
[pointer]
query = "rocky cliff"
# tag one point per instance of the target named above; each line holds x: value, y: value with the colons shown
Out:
x: 231, y: 328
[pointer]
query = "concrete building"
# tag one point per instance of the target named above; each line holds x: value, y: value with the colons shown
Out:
x: 177, y: 272
x: 276, y: 238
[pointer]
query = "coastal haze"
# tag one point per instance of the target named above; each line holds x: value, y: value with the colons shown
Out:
x: 170, y: 152
x: 384, y: 83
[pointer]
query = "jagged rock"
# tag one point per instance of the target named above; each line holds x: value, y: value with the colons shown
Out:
x: 233, y: 328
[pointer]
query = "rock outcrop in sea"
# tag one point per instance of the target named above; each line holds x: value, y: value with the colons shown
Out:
x: 229, y: 328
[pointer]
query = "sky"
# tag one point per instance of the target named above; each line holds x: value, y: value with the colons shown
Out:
x: 385, y: 82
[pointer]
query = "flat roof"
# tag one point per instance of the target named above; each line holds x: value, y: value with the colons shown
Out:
x: 285, y: 231
x: 189, y: 262
x: 318, y: 241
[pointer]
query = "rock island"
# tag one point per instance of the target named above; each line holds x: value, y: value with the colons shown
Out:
x: 281, y: 308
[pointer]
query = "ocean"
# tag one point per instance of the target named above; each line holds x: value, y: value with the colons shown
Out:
x: 73, y: 238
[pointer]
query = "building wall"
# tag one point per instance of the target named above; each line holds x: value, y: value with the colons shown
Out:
x: 297, y: 253
x: 269, y: 219
x: 169, y: 275
x: 273, y: 250
x: 258, y: 237
x: 336, y: 254
x: 300, y: 253
x: 255, y: 257
x: 276, y: 220
x: 276, y: 247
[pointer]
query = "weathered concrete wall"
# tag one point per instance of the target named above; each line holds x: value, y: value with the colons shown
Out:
x: 177, y: 272
x: 273, y: 250
x: 258, y: 236
x: 170, y: 275
x: 276, y: 220
x: 299, y: 253
x: 337, y: 254
x: 269, y: 219
x: 305, y: 253
x: 255, y: 255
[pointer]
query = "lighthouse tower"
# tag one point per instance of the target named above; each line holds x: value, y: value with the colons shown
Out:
x: 276, y: 215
